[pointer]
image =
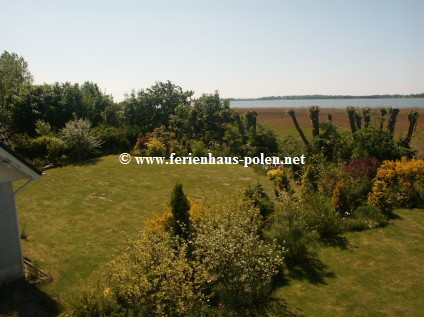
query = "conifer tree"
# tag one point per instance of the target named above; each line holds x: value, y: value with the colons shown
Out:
x: 180, y: 208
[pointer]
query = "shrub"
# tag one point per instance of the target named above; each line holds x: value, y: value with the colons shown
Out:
x: 198, y: 149
x: 281, y: 181
x: 334, y: 146
x: 381, y: 197
x: 257, y: 196
x: 364, y: 217
x: 22, y: 145
x: 114, y: 140
x: 43, y: 128
x: 340, y: 198
x: 154, y: 277
x: 398, y: 183
x: 361, y: 167
x: 49, y: 148
x: 155, y: 147
x: 80, y: 140
x: 237, y: 267
x: 289, y: 230
x: 321, y: 217
x: 373, y: 142
x: 265, y: 139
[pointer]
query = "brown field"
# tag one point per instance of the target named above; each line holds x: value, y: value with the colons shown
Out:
x: 280, y: 121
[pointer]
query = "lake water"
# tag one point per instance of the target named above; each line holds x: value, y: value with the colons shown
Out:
x: 332, y: 103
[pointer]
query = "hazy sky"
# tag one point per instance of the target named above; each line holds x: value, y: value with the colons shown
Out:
x: 240, y: 48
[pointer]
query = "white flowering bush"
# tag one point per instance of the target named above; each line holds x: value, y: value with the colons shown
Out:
x: 79, y: 138
x: 223, y: 268
x: 234, y: 263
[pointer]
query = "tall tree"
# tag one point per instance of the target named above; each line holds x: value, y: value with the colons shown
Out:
x: 14, y: 77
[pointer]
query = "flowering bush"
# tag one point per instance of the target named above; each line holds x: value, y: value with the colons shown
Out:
x: 155, y: 147
x: 236, y: 265
x: 223, y: 267
x: 281, y: 181
x: 398, y: 183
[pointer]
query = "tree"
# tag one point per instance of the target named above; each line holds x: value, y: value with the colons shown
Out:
x: 153, y: 107
x: 180, y: 208
x: 14, y: 77
x: 314, y: 116
x: 297, y: 126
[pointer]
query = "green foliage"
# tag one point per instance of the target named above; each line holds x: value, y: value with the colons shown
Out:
x: 321, y: 217
x: 153, y: 107
x: 364, y: 217
x: 198, y: 149
x: 80, y: 140
x: 14, y: 78
x: 289, y: 230
x: 180, y: 208
x: 265, y: 140
x: 236, y: 265
x: 340, y: 198
x: 281, y: 181
x: 114, y: 140
x: 335, y: 146
x: 257, y: 196
x: 43, y: 128
x: 373, y: 142
x: 234, y: 139
x: 58, y: 104
x: 50, y: 148
x: 154, y: 278
x: 230, y: 270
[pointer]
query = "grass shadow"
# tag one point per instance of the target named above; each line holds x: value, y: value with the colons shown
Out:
x: 277, y: 307
x: 337, y: 242
x: 393, y: 216
x: 92, y: 161
x: 26, y: 300
x: 311, y: 269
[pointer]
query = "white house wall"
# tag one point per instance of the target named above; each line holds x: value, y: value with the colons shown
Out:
x: 11, y: 262
x: 10, y: 174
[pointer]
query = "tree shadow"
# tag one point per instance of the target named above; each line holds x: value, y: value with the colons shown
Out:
x: 26, y: 300
x: 393, y: 216
x: 337, y: 242
x: 311, y: 269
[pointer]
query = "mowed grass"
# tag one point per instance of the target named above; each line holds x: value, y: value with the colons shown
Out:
x: 281, y: 122
x: 380, y: 274
x: 77, y: 216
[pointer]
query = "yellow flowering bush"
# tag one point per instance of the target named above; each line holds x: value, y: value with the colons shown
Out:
x: 155, y: 147
x: 398, y: 182
x: 280, y: 179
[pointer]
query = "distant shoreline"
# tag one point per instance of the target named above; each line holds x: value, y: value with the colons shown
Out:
x: 311, y: 97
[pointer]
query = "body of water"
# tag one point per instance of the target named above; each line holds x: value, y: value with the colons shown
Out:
x: 332, y: 103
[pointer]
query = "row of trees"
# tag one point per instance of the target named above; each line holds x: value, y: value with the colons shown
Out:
x: 164, y: 112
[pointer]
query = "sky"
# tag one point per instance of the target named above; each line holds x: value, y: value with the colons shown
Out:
x: 242, y: 49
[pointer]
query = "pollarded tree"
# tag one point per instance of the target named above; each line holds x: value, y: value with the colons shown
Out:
x: 180, y: 208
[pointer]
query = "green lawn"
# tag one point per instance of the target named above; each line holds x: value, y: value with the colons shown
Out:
x: 379, y: 274
x: 77, y: 216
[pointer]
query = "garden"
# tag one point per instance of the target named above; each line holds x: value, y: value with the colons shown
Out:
x: 323, y: 238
